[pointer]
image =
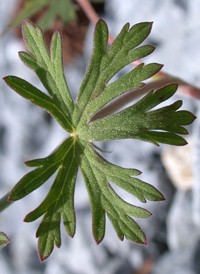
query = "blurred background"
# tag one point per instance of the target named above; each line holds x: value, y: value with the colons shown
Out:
x: 27, y: 132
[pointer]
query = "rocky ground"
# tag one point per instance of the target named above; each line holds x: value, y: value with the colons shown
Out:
x: 26, y: 132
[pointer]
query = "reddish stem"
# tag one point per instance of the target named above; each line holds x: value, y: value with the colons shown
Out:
x: 89, y: 11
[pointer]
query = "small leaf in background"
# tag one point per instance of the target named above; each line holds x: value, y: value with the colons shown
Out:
x: 143, y: 120
x: 30, y: 8
x: 65, y: 10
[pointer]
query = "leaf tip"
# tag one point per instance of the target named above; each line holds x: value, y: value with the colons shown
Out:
x: 193, y: 117
x: 162, y: 197
x: 101, y: 25
x: 137, y: 172
x: 98, y: 238
x: 72, y: 234
x: 182, y: 142
x: 42, y: 257
x: 4, y: 240
x: 5, y: 78
x: 27, y: 163
x: 32, y: 163
x: 101, y: 21
x: 26, y: 23
x: 98, y: 241
x: 174, y: 86
x: 145, y: 241
x: 152, y: 48
x: 27, y: 219
x: 149, y: 213
x: 150, y: 23
x: 160, y: 66
x: 57, y: 33
x: 11, y: 197
x: 158, y: 196
x: 20, y: 53
x: 8, y: 79
x: 42, y: 254
x: 142, y: 240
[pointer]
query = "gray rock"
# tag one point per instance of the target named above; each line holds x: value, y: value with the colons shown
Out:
x: 196, y: 171
x: 19, y: 142
x: 181, y: 229
x: 183, y: 237
x: 176, y: 262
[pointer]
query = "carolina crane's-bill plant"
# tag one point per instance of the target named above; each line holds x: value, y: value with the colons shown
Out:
x: 140, y: 121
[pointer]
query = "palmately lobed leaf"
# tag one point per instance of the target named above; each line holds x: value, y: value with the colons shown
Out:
x: 143, y: 120
x: 123, y: 177
x: 106, y: 62
x: 139, y: 121
x: 107, y: 201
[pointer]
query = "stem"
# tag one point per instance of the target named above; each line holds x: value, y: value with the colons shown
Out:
x: 91, y: 14
x: 89, y: 11
x: 4, y: 203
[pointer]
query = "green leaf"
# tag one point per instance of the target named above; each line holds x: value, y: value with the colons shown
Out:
x: 58, y: 203
x: 153, y: 126
x: 40, y: 99
x: 104, y: 199
x: 49, y: 233
x: 3, y: 239
x: 123, y: 224
x: 123, y: 177
x: 144, y: 120
x: 46, y: 168
x: 32, y: 181
x: 93, y: 71
x: 130, y: 81
x: 68, y: 165
x: 105, y: 63
x: 47, y: 65
x: 94, y: 191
